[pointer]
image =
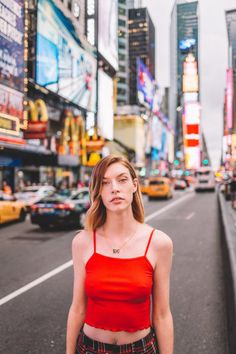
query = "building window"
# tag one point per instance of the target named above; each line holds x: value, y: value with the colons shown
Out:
x: 121, y: 34
x: 122, y: 11
x: 122, y: 57
x: 122, y: 68
x: 122, y: 45
x: 121, y: 91
x: 69, y: 4
x: 122, y: 1
x: 121, y: 23
x: 122, y: 80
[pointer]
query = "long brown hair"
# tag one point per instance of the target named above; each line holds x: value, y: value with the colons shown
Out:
x: 96, y: 215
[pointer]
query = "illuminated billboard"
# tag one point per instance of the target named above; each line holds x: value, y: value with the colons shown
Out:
x: 145, y: 85
x: 105, y: 105
x: 107, y: 31
x: 12, y: 57
x: 62, y: 65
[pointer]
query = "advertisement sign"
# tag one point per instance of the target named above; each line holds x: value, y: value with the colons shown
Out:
x: 12, y: 57
x: 11, y: 102
x: 192, y: 113
x: 12, y: 44
x: 107, y: 31
x: 105, y: 106
x: 62, y: 65
x: 37, y: 120
x: 145, y: 85
x: 190, y: 74
x: 229, y: 98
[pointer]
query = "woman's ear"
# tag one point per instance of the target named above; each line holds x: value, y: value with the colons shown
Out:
x: 135, y: 183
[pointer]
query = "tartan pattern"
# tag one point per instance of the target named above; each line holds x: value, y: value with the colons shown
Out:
x: 86, y: 345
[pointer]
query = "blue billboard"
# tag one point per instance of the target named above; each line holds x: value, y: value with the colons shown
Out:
x: 145, y: 85
x: 62, y: 64
x: 12, y: 44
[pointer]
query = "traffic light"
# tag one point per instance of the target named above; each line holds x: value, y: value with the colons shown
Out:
x: 205, y: 162
x: 176, y: 162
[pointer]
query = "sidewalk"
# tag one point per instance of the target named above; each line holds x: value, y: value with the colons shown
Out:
x: 228, y: 217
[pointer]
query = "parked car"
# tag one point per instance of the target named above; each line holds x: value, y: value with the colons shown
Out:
x: 159, y: 187
x: 56, y: 209
x: 205, y: 179
x: 180, y: 184
x: 11, y: 209
x: 33, y: 194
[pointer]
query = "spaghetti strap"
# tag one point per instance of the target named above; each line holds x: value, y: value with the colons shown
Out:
x: 150, y: 238
x: 94, y: 240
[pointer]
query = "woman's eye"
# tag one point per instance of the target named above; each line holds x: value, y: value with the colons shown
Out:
x: 105, y: 182
x: 123, y: 180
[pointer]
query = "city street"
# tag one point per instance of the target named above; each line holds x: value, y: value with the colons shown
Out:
x: 35, y: 320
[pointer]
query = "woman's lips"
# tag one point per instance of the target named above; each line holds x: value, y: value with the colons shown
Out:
x: 117, y: 199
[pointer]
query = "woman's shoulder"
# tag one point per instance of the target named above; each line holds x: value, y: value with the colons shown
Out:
x: 82, y: 239
x: 160, y: 240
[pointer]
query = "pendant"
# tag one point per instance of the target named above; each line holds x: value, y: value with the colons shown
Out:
x: 116, y: 250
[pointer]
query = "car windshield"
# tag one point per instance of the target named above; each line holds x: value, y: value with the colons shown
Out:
x: 53, y: 198
x: 30, y: 190
x: 154, y: 183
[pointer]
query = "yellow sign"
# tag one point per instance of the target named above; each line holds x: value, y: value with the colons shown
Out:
x: 72, y: 139
x: 37, y: 111
x: 9, y: 124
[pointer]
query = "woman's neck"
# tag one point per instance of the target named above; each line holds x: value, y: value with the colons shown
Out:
x: 119, y: 224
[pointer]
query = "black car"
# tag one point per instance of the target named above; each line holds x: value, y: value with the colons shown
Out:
x: 56, y: 209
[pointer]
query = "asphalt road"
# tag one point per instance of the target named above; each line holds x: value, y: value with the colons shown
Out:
x: 34, y: 321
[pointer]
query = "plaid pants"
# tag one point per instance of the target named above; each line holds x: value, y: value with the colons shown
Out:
x: 86, y: 345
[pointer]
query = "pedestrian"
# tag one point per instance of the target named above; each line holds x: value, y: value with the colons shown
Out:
x: 6, y: 188
x: 120, y: 264
x: 233, y: 190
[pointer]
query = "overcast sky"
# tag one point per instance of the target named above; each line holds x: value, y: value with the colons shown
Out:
x: 213, y: 61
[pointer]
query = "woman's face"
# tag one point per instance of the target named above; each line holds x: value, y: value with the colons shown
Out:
x: 117, y: 187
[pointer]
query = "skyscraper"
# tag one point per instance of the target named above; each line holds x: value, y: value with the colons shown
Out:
x: 183, y: 41
x: 141, y: 45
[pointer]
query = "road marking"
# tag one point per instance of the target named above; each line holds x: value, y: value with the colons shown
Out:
x: 171, y: 205
x: 68, y: 264
x: 190, y: 216
x: 35, y: 282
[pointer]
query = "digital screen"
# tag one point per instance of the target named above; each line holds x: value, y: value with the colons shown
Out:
x: 12, y: 44
x: 145, y: 85
x: 107, y: 31
x: 186, y: 44
x: 62, y: 65
x: 105, y: 105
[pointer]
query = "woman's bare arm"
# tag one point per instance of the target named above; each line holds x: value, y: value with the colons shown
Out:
x: 162, y: 317
x: 78, y: 307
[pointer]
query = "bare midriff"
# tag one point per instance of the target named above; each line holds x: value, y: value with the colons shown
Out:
x: 111, y: 337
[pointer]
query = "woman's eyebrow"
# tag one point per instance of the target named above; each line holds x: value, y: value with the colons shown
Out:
x: 121, y: 174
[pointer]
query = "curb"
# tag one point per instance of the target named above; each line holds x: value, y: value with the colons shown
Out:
x: 229, y: 256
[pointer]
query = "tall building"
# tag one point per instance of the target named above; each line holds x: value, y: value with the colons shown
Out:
x: 123, y: 44
x: 141, y: 45
x: 229, y: 139
x: 183, y: 41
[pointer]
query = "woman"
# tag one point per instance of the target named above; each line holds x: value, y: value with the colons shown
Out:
x: 119, y: 263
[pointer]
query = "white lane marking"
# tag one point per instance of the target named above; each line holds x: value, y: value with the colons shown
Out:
x: 68, y: 264
x: 190, y: 216
x: 35, y: 282
x: 169, y: 206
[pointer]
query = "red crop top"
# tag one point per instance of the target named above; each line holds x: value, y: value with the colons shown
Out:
x: 118, y: 291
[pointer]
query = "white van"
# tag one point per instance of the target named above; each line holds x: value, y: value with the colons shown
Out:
x: 205, y: 179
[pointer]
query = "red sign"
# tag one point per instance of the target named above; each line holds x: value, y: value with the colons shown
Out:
x: 11, y: 102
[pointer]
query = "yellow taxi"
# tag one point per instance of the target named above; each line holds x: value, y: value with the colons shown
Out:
x: 11, y: 209
x: 159, y: 187
x: 143, y: 186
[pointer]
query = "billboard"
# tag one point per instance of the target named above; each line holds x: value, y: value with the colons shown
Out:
x: 107, y: 31
x: 62, y: 65
x: 12, y: 57
x: 145, y: 85
x: 105, y: 105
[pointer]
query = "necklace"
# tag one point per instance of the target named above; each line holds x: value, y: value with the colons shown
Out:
x: 117, y: 250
